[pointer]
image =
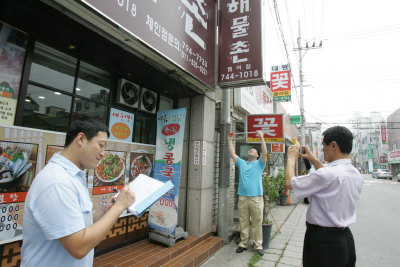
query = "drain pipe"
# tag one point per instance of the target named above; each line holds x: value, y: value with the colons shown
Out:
x: 223, y: 227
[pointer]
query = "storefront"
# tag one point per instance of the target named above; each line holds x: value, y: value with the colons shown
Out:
x: 394, y: 162
x: 64, y: 60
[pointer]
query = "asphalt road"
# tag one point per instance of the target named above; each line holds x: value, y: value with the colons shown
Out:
x: 376, y: 231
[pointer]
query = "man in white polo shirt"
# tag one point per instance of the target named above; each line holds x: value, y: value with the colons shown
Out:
x: 58, y: 226
x: 333, y: 191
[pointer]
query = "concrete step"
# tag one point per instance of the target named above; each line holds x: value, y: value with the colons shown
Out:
x: 190, y: 252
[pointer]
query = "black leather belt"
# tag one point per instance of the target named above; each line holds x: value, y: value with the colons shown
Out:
x: 315, y: 227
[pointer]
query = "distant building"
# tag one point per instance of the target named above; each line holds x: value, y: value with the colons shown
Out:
x: 393, y: 132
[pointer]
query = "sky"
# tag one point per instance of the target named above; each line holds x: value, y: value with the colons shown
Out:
x: 358, y: 66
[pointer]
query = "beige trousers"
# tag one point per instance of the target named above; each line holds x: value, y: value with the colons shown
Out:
x: 251, y: 209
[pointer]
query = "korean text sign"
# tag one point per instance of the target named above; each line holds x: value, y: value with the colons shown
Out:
x: 241, y: 43
x: 280, y: 83
x: 121, y: 125
x: 181, y: 30
x: 168, y: 161
x: 270, y: 124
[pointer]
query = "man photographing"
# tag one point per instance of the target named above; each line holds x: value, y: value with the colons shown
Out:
x: 333, y: 191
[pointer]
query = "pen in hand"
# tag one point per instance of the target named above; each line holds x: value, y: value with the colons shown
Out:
x: 115, y: 196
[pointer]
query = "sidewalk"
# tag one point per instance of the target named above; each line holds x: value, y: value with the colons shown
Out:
x: 285, y: 249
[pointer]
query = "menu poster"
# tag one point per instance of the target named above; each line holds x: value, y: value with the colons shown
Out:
x: 17, y: 170
x: 121, y: 125
x: 12, y: 55
x: 109, y: 174
x: 141, y: 163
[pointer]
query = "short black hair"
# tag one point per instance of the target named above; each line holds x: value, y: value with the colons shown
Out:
x: 258, y: 151
x: 341, y: 135
x: 90, y: 127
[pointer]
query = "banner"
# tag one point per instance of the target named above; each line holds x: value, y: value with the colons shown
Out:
x: 281, y: 83
x: 370, y: 152
x: 270, y: 124
x: 168, y: 161
x: 12, y: 54
x: 383, y: 133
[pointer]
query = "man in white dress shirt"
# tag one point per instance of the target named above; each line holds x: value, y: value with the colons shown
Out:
x: 333, y: 191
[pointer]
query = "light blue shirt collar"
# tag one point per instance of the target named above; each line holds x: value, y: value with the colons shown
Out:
x: 69, y: 166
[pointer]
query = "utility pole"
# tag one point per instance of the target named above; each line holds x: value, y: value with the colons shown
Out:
x: 301, y: 55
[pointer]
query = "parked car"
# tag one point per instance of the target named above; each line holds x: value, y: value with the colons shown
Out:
x: 383, y: 173
x: 397, y: 177
x: 373, y: 173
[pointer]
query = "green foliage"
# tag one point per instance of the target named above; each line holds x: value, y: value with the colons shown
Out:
x: 273, y: 187
x: 254, y: 259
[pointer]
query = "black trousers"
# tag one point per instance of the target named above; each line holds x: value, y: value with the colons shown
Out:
x: 328, y: 247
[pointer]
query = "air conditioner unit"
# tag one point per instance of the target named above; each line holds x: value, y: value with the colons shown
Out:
x: 148, y: 101
x: 128, y: 93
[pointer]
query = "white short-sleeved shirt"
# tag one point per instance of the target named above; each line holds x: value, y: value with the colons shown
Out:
x: 57, y: 205
x: 332, y: 191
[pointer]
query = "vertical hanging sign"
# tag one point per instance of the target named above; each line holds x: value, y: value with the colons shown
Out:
x: 280, y: 83
x: 383, y: 133
x: 168, y: 161
x: 241, y: 43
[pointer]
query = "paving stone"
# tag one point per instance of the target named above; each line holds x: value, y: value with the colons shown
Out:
x: 294, y: 248
x: 293, y: 254
x: 290, y: 261
x: 274, y: 251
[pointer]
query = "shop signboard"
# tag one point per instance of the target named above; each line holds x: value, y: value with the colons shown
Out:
x: 281, y: 83
x: 270, y: 124
x: 253, y: 100
x: 278, y: 148
x: 183, y: 31
x: 394, y: 157
x: 121, y: 125
x: 12, y: 54
x: 163, y: 215
x: 241, y: 39
x: 296, y: 119
x: 370, y: 152
x: 383, y: 133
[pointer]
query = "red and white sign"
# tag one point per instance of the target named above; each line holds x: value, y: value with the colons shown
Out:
x: 277, y: 148
x: 383, y: 133
x: 270, y: 124
x: 280, y: 83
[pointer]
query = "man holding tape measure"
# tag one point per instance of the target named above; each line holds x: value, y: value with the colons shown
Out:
x: 250, y: 191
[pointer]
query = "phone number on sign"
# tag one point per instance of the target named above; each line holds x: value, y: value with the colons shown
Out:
x: 241, y: 74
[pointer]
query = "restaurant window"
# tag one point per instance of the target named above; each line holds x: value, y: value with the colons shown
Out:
x: 93, y: 83
x: 46, y: 109
x: 62, y: 88
x: 90, y: 110
x: 166, y: 103
x: 53, y: 68
x: 145, y: 130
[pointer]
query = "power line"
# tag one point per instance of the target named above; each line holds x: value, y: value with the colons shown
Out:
x: 278, y: 19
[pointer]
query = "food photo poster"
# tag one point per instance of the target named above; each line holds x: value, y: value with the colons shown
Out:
x: 25, y: 151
